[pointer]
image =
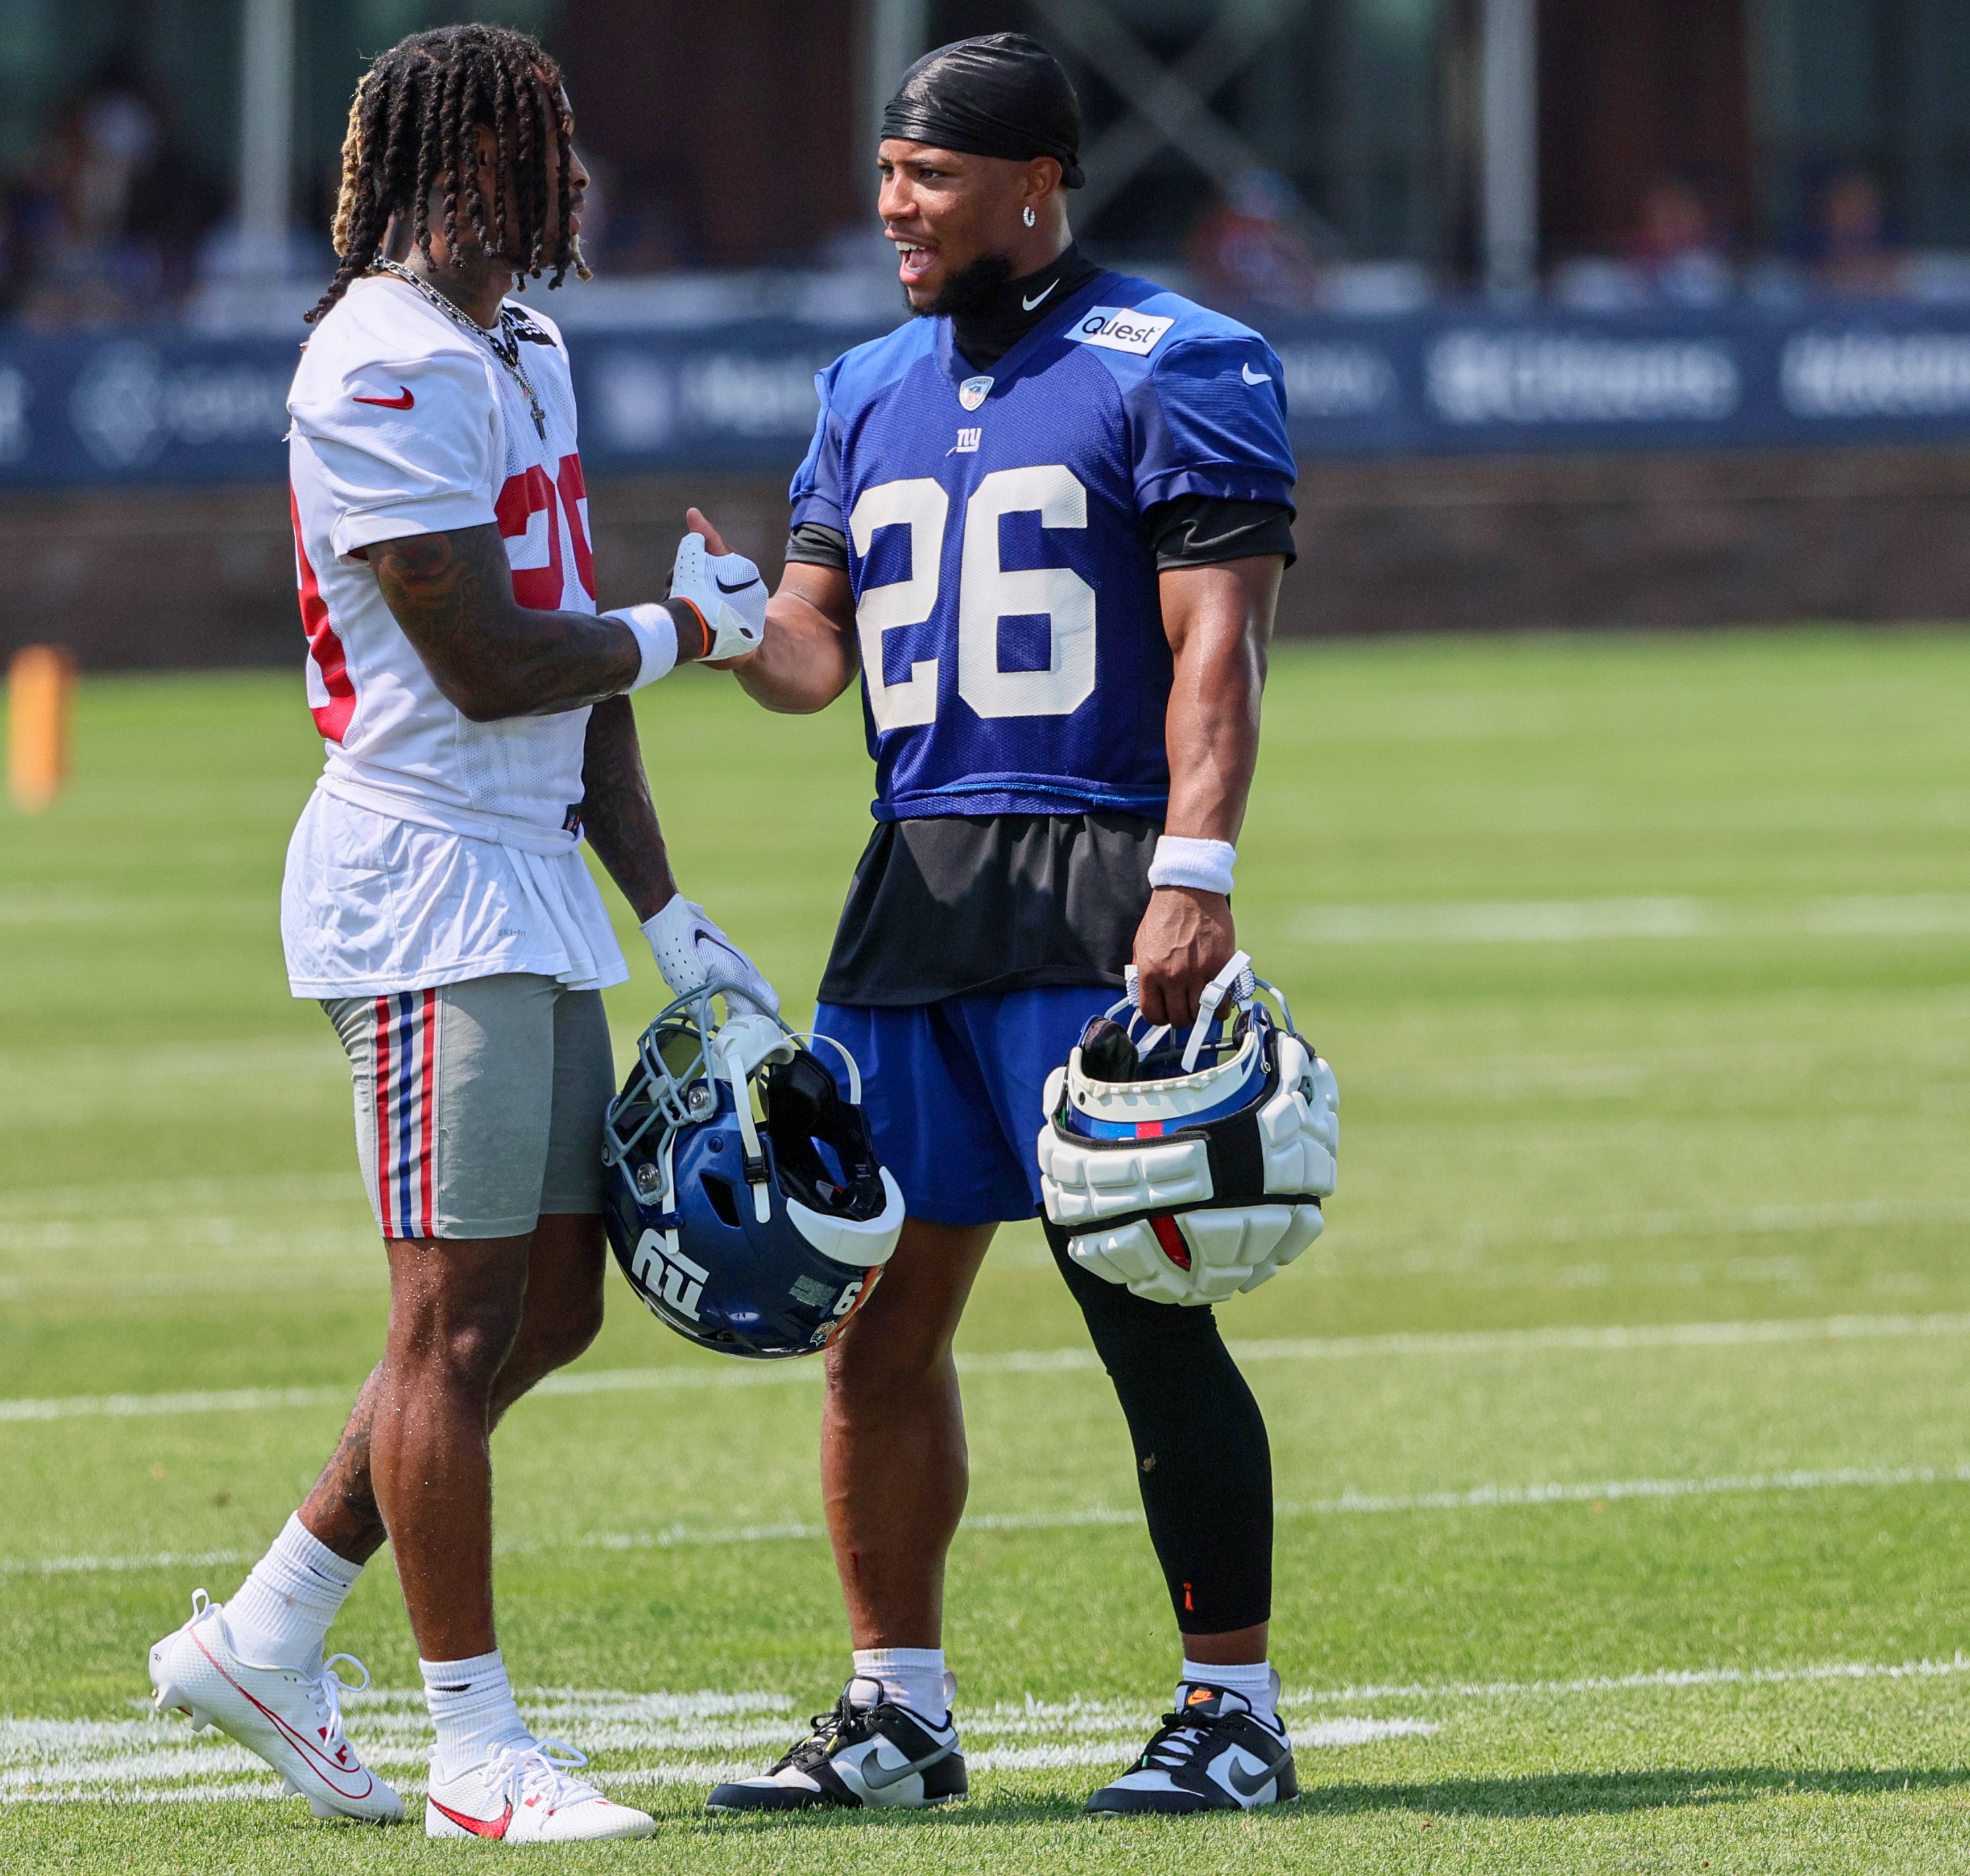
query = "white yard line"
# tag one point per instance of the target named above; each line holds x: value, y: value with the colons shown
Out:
x: 226, y: 1400
x: 1349, y: 1504
x: 1058, y: 1360
x: 1579, y: 921
x: 88, y: 1563
x: 1665, y: 1677
x: 1487, y: 1498
x: 152, y: 1761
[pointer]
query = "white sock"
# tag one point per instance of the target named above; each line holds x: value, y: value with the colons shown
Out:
x: 279, y: 1616
x: 1252, y: 1681
x: 472, y: 1707
x: 911, y: 1677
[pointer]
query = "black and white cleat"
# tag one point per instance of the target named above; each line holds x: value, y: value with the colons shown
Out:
x: 867, y: 1751
x: 1213, y: 1754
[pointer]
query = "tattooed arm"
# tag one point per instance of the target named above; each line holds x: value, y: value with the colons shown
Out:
x: 494, y: 658
x: 617, y: 813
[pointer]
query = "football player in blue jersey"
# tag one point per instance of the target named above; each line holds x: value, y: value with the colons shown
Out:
x: 1046, y: 521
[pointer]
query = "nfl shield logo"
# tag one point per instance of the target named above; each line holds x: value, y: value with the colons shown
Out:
x: 973, y: 392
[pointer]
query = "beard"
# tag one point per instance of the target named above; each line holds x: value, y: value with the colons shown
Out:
x: 972, y: 289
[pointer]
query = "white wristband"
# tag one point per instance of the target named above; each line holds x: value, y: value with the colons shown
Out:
x: 656, y: 635
x: 1204, y: 865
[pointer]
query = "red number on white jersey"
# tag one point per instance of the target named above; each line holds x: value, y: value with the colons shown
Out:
x: 530, y: 510
x: 331, y: 665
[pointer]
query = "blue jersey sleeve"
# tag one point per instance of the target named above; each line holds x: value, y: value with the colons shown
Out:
x: 816, y: 491
x: 1211, y: 419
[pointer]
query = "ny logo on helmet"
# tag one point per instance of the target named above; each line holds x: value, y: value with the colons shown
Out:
x: 665, y: 1272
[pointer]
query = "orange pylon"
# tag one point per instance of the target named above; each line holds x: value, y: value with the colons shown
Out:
x: 40, y: 694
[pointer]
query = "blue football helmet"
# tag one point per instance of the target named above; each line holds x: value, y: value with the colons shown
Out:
x: 757, y: 1236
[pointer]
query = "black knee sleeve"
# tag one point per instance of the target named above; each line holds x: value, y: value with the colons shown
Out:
x: 1201, y: 1456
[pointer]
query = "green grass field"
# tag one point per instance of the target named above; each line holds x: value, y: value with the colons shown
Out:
x: 1618, y: 1419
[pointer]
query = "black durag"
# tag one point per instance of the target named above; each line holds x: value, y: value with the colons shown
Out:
x: 1000, y: 94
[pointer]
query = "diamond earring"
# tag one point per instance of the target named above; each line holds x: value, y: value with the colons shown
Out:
x: 1029, y: 217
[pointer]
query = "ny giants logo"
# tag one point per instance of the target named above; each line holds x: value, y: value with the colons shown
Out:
x: 662, y: 1271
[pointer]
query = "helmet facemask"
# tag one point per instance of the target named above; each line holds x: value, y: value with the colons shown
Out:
x: 744, y: 1199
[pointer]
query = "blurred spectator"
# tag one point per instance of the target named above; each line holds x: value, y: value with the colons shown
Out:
x: 1678, y: 254
x: 102, y: 228
x: 1850, y: 245
x: 1251, y: 251
x: 1678, y: 247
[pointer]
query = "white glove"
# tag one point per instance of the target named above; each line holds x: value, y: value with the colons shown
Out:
x: 726, y: 593
x: 691, y: 951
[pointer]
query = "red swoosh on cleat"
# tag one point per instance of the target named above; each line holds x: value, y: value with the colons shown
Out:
x: 478, y: 1826
x: 402, y: 402
x: 322, y: 1766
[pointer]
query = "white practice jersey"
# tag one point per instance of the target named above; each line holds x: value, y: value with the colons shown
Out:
x: 405, y: 423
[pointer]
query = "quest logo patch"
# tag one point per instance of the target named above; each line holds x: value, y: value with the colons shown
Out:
x: 1117, y: 329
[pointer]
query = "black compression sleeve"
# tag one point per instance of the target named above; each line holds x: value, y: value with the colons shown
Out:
x: 1201, y: 1456
x: 817, y: 546
x: 1200, y: 530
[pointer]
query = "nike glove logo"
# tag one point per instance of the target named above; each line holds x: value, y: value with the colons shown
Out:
x: 1029, y: 304
x: 402, y: 402
x: 740, y: 588
x: 1254, y: 377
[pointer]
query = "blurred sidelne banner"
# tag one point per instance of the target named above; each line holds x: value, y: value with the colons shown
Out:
x: 739, y: 396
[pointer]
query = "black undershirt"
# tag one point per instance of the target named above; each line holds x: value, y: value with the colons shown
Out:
x: 945, y: 904
x: 985, y: 333
x: 942, y: 906
x: 1187, y: 530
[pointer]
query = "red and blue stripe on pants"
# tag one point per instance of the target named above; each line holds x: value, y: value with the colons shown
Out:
x: 406, y: 1072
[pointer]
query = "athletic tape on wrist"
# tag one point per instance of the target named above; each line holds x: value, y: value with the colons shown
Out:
x: 656, y: 636
x: 1203, y: 865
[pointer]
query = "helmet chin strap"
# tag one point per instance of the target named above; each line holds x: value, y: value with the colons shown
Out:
x: 740, y: 1060
x: 1238, y: 972
x: 1133, y: 981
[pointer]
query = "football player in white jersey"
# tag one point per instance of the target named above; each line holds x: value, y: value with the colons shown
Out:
x: 474, y: 713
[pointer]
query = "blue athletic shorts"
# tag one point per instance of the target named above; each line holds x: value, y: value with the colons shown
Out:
x: 952, y: 1091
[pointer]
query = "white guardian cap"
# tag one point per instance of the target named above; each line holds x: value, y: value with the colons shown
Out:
x: 1190, y: 1169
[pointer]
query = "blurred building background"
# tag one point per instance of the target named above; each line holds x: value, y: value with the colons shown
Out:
x: 1594, y: 311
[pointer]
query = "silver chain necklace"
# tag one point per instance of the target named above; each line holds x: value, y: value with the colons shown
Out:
x: 504, y: 342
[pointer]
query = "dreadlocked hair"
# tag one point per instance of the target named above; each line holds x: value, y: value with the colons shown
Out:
x: 410, y: 136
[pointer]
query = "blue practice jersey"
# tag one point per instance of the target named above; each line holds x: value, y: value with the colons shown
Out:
x: 1013, y: 657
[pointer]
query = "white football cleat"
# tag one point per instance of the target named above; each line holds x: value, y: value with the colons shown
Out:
x: 523, y: 1794
x: 291, y: 1717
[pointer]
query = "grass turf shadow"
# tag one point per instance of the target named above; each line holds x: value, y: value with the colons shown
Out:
x: 1576, y: 1794
x: 1563, y: 1795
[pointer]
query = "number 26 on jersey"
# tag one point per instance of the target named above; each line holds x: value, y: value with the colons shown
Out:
x: 988, y: 593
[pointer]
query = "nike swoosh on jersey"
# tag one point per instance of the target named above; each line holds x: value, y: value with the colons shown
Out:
x: 402, y: 402
x: 1029, y: 304
x: 1254, y: 377
x: 740, y: 588
x: 478, y: 1826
